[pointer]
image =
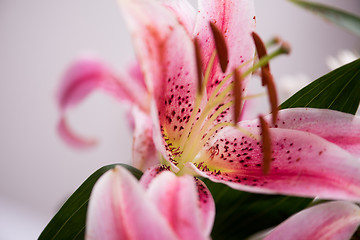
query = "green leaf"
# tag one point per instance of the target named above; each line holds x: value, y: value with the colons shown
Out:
x: 69, y: 222
x: 343, y: 19
x: 241, y: 214
x: 338, y: 90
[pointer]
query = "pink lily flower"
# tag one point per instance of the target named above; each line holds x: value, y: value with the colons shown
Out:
x: 170, y: 207
x: 88, y: 74
x: 332, y: 220
x: 164, y: 206
x: 312, y: 152
x: 308, y: 152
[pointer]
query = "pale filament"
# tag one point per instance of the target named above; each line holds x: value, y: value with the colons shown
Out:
x: 197, y: 134
x: 198, y: 99
x: 213, y: 101
x: 190, y: 141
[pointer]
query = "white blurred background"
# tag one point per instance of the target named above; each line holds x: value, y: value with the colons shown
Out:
x: 39, y: 38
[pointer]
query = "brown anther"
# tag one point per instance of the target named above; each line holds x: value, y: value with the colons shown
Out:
x: 221, y: 47
x: 198, y: 65
x: 269, y: 82
x: 259, y: 44
x: 261, y: 51
x: 266, y: 145
x: 237, y: 91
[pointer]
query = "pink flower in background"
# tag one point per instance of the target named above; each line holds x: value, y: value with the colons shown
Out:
x: 313, y: 152
x: 170, y: 207
x: 88, y: 74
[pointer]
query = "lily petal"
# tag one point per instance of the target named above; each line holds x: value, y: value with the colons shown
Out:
x: 72, y: 138
x: 340, y: 128
x: 120, y: 209
x: 144, y: 151
x: 333, y: 220
x: 236, y: 20
x: 166, y: 54
x: 205, y: 200
x: 151, y: 173
x: 207, y: 206
x: 184, y: 11
x: 303, y: 164
x: 177, y: 199
x: 135, y: 74
x: 86, y: 75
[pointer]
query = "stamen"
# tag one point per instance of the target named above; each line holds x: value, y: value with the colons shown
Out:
x: 221, y: 47
x: 266, y: 145
x: 259, y: 44
x: 196, y: 132
x: 284, y: 49
x: 266, y: 76
x: 198, y: 99
x: 217, y: 98
x: 198, y: 66
x: 261, y: 51
x: 265, y: 60
x: 210, y: 121
x: 252, y: 96
x: 199, y: 130
x: 237, y: 90
x: 208, y: 69
x: 227, y: 77
x: 269, y: 81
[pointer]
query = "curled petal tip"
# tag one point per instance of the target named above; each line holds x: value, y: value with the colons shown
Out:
x: 72, y: 139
